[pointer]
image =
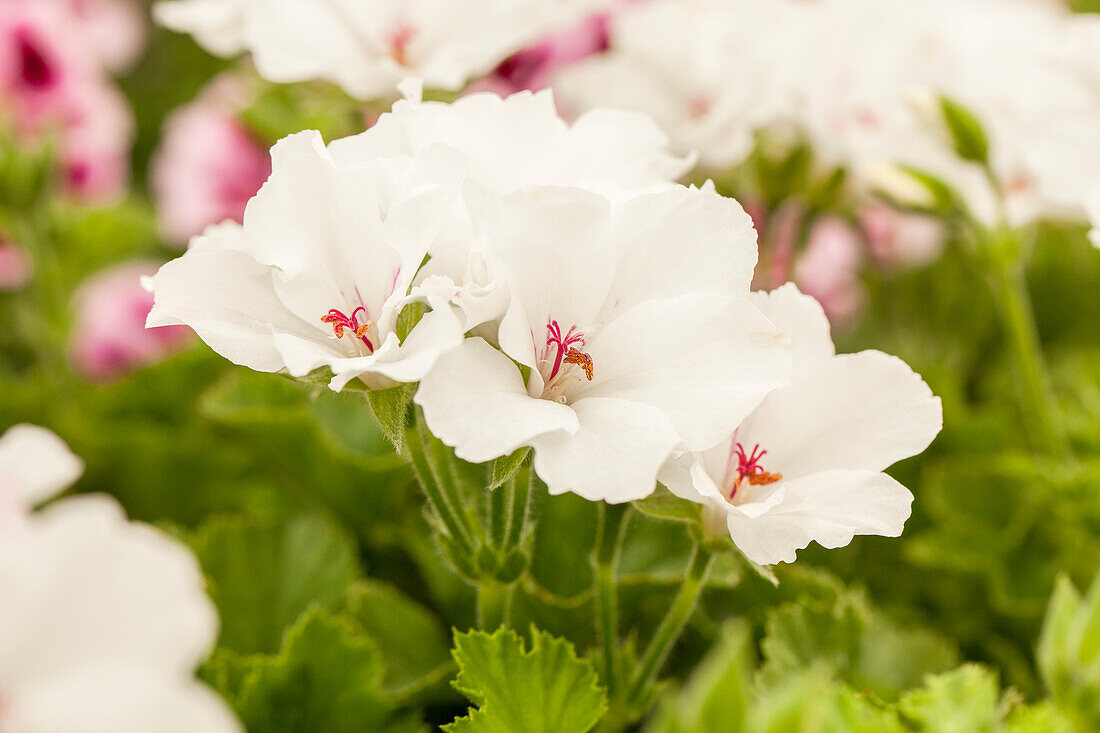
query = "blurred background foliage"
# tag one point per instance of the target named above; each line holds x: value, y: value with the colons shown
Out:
x: 322, y: 563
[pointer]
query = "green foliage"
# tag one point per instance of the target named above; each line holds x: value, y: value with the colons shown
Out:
x: 326, y: 678
x: 391, y: 408
x: 265, y: 573
x: 965, y: 130
x: 1068, y: 654
x: 544, y: 690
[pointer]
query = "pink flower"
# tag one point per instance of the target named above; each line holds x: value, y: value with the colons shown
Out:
x: 115, y: 30
x: 110, y: 339
x: 15, y: 266
x: 829, y: 268
x: 51, y: 82
x: 208, y: 166
x: 532, y: 68
x: 898, y: 238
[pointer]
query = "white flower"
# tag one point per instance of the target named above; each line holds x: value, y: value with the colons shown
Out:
x: 846, y: 71
x: 686, y: 64
x: 330, y: 246
x: 806, y: 465
x: 317, y: 275
x: 103, y: 621
x: 1093, y: 208
x: 624, y: 338
x: 367, y: 47
x: 35, y: 464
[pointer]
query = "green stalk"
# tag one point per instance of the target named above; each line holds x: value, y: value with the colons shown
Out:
x: 521, y: 506
x: 669, y: 630
x: 494, y: 604
x: 1036, y: 394
x: 502, y: 500
x: 605, y: 560
x: 437, y: 499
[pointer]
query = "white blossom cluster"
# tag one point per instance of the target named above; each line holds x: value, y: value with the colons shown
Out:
x: 576, y: 301
x: 852, y: 74
x: 369, y: 47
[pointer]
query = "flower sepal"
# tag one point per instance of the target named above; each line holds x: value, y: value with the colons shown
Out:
x: 663, y: 504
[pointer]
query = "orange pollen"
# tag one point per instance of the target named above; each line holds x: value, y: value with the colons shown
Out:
x: 763, y: 478
x: 581, y: 359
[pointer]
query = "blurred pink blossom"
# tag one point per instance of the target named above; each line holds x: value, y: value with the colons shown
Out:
x: 116, y: 30
x: 52, y: 82
x: 901, y: 239
x: 15, y: 266
x: 533, y: 67
x: 208, y: 165
x: 829, y: 268
x: 110, y: 339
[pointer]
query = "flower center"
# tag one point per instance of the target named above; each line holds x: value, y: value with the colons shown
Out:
x: 748, y: 469
x: 34, y: 69
x: 341, y: 322
x: 564, y: 359
x: 399, y: 43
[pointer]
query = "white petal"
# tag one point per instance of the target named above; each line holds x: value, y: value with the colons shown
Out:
x: 474, y: 400
x: 829, y: 508
x: 680, y: 241
x: 81, y: 584
x: 230, y: 301
x: 705, y: 361
x: 312, y: 217
x: 115, y: 698
x: 859, y: 411
x: 613, y: 457
x: 803, y: 320
x: 552, y: 243
x: 36, y: 464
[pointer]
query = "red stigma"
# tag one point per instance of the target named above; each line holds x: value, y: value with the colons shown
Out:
x: 749, y: 468
x: 339, y: 322
x: 399, y: 43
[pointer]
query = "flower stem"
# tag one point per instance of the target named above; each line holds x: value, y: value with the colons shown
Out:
x: 1034, y: 389
x: 494, y: 604
x: 521, y: 507
x: 669, y: 630
x: 605, y: 559
x: 433, y: 490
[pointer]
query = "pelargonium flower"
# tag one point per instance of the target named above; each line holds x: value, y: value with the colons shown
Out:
x: 208, y: 165
x: 828, y: 269
x: 15, y: 266
x: 807, y: 464
x: 35, y: 464
x: 116, y: 29
x: 687, y: 65
x: 367, y: 48
x: 105, y: 620
x: 331, y: 248
x: 51, y: 80
x: 901, y: 239
x: 109, y: 338
x: 317, y: 275
x: 624, y: 338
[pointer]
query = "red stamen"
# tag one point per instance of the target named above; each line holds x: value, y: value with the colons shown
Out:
x: 749, y: 468
x: 339, y: 322
x: 563, y: 345
x: 399, y: 43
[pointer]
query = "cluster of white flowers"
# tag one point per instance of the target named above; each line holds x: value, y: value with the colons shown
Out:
x: 368, y: 47
x: 578, y: 301
x: 847, y: 71
x: 102, y: 621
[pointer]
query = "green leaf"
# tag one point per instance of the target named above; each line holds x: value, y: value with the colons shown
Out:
x: 544, y: 690
x: 811, y: 700
x: 965, y: 700
x: 326, y: 679
x: 391, y: 407
x: 505, y: 467
x: 412, y: 642
x: 965, y: 130
x: 1068, y: 654
x: 717, y: 696
x: 662, y: 504
x: 866, y: 649
x: 264, y: 573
